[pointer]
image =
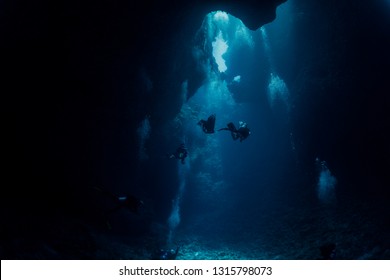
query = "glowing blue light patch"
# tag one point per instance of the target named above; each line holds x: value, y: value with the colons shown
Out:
x: 277, y: 90
x: 237, y: 79
x: 265, y: 39
x: 326, y: 184
x: 174, y: 218
x: 220, y: 47
x: 221, y: 16
x: 242, y: 35
x: 143, y: 132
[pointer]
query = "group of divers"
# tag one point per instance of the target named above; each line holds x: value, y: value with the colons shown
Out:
x: 208, y: 127
x: 133, y: 203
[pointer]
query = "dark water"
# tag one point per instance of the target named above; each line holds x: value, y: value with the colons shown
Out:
x: 313, y: 90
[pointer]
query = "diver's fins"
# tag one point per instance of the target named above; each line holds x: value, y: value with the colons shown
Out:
x: 211, y: 121
x: 231, y: 126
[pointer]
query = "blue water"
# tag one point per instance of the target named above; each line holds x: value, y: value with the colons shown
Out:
x: 311, y: 85
x: 265, y: 197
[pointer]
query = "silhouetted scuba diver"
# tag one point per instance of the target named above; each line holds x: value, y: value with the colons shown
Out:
x: 181, y: 153
x: 116, y: 203
x: 241, y: 133
x: 208, y: 126
x: 129, y: 201
x: 165, y: 254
